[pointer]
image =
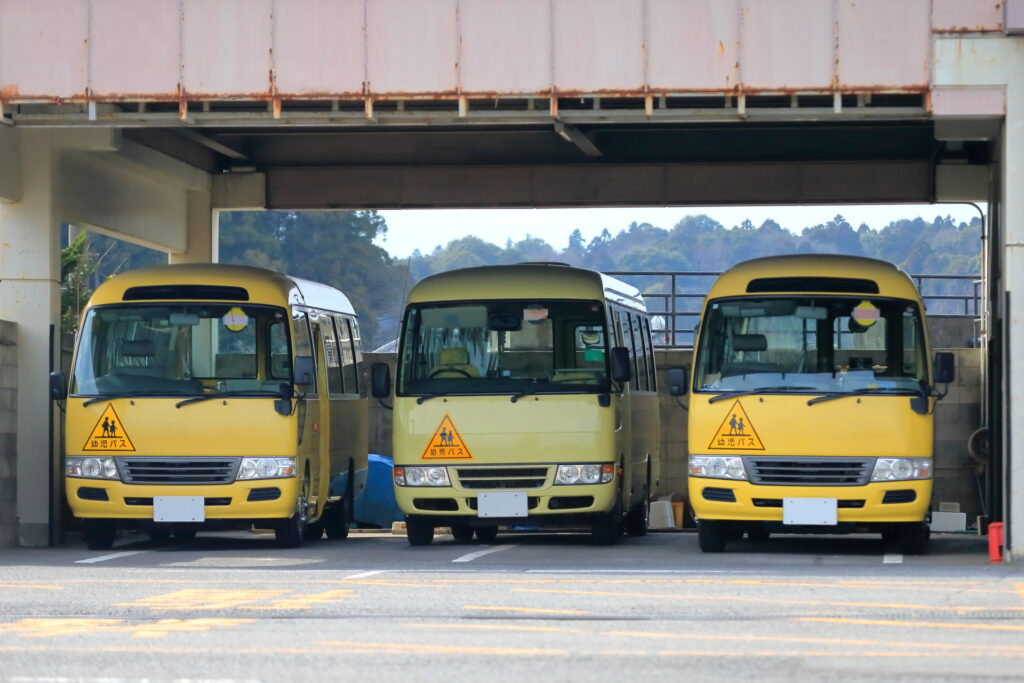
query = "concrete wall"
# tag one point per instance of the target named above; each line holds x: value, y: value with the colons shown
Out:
x: 956, y: 417
x: 8, y: 417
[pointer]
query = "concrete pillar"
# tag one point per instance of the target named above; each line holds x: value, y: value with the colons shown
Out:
x: 998, y: 62
x: 201, y: 231
x: 30, y: 298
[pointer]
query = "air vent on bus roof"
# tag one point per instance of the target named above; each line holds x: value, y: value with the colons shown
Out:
x: 846, y: 285
x: 199, y: 292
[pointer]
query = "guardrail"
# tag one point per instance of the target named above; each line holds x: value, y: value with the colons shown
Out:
x: 676, y: 296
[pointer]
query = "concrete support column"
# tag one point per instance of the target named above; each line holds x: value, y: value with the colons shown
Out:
x: 200, y: 230
x: 30, y: 298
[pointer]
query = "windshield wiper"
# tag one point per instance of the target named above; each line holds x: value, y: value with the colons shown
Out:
x: 427, y: 397
x: 759, y: 390
x: 832, y: 395
x: 122, y: 394
x: 240, y: 392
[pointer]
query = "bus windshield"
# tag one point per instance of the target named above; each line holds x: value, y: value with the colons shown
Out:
x: 505, y: 346
x: 811, y: 345
x: 182, y: 349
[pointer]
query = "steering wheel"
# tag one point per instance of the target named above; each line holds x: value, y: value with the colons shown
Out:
x: 443, y: 370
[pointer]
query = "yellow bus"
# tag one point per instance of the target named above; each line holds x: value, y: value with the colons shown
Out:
x: 213, y: 397
x: 525, y: 395
x: 812, y: 402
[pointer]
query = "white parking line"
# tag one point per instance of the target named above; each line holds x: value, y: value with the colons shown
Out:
x: 480, y: 553
x: 111, y: 556
x: 363, y: 575
x: 892, y: 558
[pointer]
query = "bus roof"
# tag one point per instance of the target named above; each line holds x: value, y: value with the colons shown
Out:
x: 525, y: 281
x: 261, y: 285
x: 891, y: 280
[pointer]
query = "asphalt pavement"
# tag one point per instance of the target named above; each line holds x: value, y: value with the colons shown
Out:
x: 531, y: 606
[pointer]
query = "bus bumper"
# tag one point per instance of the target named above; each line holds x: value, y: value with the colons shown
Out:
x: 241, y: 501
x: 874, y: 503
x: 551, y: 505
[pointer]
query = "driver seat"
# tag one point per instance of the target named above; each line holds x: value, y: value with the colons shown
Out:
x: 453, y: 362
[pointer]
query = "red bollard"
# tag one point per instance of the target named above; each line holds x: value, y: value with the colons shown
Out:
x: 995, y: 542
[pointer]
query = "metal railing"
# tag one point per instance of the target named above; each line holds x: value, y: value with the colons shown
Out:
x: 676, y: 296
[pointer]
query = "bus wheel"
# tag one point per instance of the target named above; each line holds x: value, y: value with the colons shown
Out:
x: 462, y: 533
x: 99, y: 534
x: 315, y: 531
x: 758, y: 532
x: 486, y: 534
x: 912, y: 538
x: 711, y: 535
x: 339, y: 516
x: 638, y: 518
x: 290, y: 532
x: 419, y: 532
x: 607, y: 529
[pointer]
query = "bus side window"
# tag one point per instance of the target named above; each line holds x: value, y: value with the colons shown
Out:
x: 639, y: 353
x: 331, y: 359
x: 627, y: 341
x: 348, y: 358
x: 304, y: 346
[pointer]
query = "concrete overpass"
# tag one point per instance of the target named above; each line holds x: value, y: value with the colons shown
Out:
x: 142, y: 119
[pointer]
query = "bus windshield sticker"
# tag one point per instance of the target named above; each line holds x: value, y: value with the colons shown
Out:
x: 535, y: 313
x: 736, y: 432
x: 865, y: 313
x: 446, y: 444
x: 235, y: 319
x: 108, y: 434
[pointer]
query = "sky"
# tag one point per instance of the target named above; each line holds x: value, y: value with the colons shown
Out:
x: 424, y: 229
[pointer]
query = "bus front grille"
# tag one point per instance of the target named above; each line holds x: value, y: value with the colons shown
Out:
x: 178, y: 470
x: 802, y: 471
x: 501, y: 477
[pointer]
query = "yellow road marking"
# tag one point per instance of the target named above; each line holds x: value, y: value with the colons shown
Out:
x: 305, y: 601
x: 499, y: 627
x: 423, y: 648
x: 774, y: 601
x: 527, y: 610
x: 829, y: 653
x: 202, y: 599
x: 926, y: 624
x: 31, y: 586
x: 46, y: 628
x: 971, y: 647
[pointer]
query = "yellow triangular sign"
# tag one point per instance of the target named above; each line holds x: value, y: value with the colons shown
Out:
x: 108, y: 434
x: 446, y: 444
x: 736, y: 432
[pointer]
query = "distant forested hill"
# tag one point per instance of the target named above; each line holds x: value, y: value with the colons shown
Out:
x: 338, y: 248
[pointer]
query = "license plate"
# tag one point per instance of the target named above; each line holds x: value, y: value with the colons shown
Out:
x: 503, y: 504
x: 178, y: 509
x: 815, y: 511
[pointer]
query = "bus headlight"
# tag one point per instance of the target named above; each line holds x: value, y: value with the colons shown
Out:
x: 569, y: 475
x: 422, y: 476
x: 898, y: 469
x: 717, y: 467
x: 266, y: 468
x: 90, y: 468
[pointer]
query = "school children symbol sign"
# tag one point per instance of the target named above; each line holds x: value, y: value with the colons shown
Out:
x: 736, y: 433
x: 446, y: 444
x: 108, y: 434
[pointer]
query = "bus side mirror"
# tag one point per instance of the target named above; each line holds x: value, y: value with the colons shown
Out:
x: 58, y: 386
x: 620, y: 366
x: 304, y: 370
x: 380, y: 380
x: 677, y: 382
x: 943, y: 367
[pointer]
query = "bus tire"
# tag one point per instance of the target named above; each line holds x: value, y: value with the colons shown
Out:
x: 486, y: 534
x: 315, y: 531
x: 758, y: 532
x: 638, y: 518
x: 462, y: 533
x: 711, y: 535
x: 98, y: 533
x: 912, y: 538
x: 419, y: 532
x: 339, y: 516
x: 607, y: 529
x: 290, y: 532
